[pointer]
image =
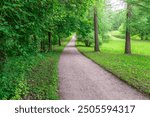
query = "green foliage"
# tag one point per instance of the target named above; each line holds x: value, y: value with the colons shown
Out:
x: 13, y: 83
x: 135, y: 37
x: 24, y: 27
x: 31, y: 77
x: 104, y: 21
x: 24, y: 24
x: 89, y: 39
x: 43, y: 79
x: 118, y: 34
x: 85, y: 32
x: 115, y: 19
x: 140, y: 19
x: 122, y: 28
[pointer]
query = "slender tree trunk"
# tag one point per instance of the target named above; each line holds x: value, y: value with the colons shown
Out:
x: 59, y: 41
x: 146, y: 36
x: 35, y: 42
x: 42, y: 46
x: 96, y: 30
x: 128, y: 40
x: 3, y: 56
x: 49, y: 41
x: 128, y: 43
x: 142, y: 36
x: 3, y: 53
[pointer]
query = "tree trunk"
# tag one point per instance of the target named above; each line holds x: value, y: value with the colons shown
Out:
x: 96, y: 30
x: 35, y: 42
x: 142, y: 36
x: 49, y: 41
x: 59, y: 41
x: 146, y: 36
x: 128, y: 40
x: 42, y: 46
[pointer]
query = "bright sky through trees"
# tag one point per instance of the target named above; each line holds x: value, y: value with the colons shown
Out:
x: 117, y: 4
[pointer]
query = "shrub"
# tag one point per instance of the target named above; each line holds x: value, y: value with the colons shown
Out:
x: 135, y: 37
x: 118, y: 34
x: 13, y: 83
x: 88, y: 42
x: 122, y: 28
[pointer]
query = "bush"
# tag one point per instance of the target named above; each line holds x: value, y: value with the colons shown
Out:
x: 55, y: 40
x: 88, y: 42
x: 13, y: 83
x: 135, y: 37
x: 105, y: 37
x: 122, y: 28
x: 118, y: 34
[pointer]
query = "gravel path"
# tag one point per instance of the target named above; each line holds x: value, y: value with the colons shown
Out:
x: 82, y: 79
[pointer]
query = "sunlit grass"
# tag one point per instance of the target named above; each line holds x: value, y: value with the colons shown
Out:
x: 117, y: 46
x: 133, y: 69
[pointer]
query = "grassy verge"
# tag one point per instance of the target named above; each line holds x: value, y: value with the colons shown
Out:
x: 43, y: 79
x: 133, y: 69
x: 31, y: 77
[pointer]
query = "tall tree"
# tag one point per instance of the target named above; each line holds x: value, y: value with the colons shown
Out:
x: 49, y: 41
x: 96, y: 30
x: 128, y: 39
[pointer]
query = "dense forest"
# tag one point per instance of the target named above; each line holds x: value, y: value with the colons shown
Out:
x: 34, y: 30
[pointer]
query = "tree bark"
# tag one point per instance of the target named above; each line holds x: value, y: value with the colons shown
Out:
x: 59, y: 41
x: 96, y: 30
x: 128, y: 40
x: 49, y: 41
x: 42, y: 46
x: 35, y: 41
x: 142, y: 36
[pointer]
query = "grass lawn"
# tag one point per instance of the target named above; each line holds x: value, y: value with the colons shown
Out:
x: 117, y: 46
x: 133, y: 69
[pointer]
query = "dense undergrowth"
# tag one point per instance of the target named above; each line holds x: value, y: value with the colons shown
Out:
x: 32, y: 76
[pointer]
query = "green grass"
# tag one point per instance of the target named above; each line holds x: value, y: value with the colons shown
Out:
x: 117, y: 46
x: 133, y: 69
x: 43, y: 79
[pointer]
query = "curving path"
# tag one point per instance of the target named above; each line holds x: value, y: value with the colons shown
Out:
x: 82, y: 79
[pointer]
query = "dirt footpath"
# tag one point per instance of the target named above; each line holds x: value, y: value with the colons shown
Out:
x: 82, y: 79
